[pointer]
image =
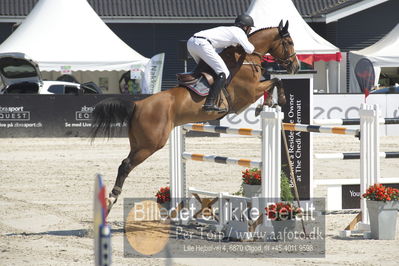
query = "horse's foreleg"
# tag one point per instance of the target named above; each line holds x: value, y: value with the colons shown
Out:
x: 268, y: 86
x: 281, y: 100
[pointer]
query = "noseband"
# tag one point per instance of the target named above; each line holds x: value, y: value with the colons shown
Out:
x: 284, y: 62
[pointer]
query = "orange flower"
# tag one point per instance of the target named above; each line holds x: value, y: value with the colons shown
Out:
x: 379, y: 192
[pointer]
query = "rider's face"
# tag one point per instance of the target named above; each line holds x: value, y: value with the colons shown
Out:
x: 247, y: 29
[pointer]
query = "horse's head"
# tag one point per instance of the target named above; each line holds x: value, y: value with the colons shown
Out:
x: 277, y: 42
x: 282, y: 49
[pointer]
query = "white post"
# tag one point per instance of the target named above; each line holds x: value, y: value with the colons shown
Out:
x: 369, y: 155
x: 177, y: 171
x: 271, y: 154
x: 222, y: 214
x: 327, y: 77
x: 339, y: 77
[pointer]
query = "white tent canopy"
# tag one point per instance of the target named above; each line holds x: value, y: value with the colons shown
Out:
x: 384, y: 53
x: 69, y: 33
x: 268, y: 13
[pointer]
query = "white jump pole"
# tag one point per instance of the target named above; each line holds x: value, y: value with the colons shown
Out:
x: 271, y: 159
x: 271, y: 154
x: 177, y: 167
x: 369, y: 154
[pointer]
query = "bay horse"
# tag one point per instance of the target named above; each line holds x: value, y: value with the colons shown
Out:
x: 151, y: 120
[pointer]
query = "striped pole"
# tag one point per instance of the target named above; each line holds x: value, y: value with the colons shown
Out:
x: 221, y: 160
x: 353, y: 155
x: 354, y: 121
x: 224, y: 130
x: 287, y: 126
x: 320, y: 129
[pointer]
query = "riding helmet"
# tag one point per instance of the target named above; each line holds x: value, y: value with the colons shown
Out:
x: 244, y: 20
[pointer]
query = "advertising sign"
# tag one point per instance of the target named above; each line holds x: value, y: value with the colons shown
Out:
x: 330, y: 106
x: 298, y: 91
x: 297, y: 110
x: 152, y: 82
x: 49, y: 115
x: 351, y: 195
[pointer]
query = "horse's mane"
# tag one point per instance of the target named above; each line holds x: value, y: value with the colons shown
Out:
x: 239, y: 48
x: 252, y: 33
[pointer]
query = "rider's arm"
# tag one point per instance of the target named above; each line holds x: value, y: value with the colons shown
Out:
x: 242, y: 39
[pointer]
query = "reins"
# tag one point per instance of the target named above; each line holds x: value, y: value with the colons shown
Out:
x: 284, y: 62
x: 255, y: 65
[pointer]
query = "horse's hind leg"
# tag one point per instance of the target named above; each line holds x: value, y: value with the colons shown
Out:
x: 134, y: 158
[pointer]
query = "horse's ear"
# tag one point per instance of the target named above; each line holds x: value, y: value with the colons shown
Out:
x: 285, y: 29
x: 280, y: 26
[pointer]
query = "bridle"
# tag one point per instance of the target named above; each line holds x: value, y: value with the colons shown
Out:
x: 254, y: 64
x: 286, y: 63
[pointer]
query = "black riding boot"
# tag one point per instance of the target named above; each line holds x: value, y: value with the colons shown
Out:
x: 209, y: 105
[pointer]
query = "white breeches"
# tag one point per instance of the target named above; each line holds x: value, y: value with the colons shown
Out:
x: 202, y: 49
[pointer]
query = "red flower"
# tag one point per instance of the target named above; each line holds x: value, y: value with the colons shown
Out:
x: 379, y: 192
x: 282, y: 211
x: 163, y: 195
x: 252, y: 176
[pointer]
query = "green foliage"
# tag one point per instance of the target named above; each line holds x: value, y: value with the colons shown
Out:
x: 286, y: 192
x: 240, y: 192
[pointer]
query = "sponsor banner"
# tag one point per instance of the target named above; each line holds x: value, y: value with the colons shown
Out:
x: 49, y: 115
x: 297, y: 110
x: 351, y: 195
x: 330, y: 106
x: 153, y: 74
x: 298, y: 91
x: 245, y: 119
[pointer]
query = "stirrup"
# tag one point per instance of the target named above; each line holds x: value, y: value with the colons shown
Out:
x: 213, y: 108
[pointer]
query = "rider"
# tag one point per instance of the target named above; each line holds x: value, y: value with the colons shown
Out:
x: 203, y: 46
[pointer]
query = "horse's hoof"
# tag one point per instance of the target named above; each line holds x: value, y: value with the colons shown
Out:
x: 110, y: 202
x: 269, y: 101
x: 258, y: 109
x: 281, y: 100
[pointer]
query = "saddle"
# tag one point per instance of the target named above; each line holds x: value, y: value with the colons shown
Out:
x: 200, y: 80
x: 190, y: 78
x: 200, y: 83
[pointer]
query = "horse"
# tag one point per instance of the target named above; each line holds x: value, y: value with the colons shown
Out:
x: 150, y: 120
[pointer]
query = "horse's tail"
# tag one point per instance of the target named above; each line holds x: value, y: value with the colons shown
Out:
x: 108, y: 113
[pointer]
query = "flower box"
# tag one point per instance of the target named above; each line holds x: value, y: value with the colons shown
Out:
x: 382, y: 205
x: 383, y: 216
x: 251, y: 183
x: 250, y: 191
x: 283, y: 217
x: 284, y: 230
